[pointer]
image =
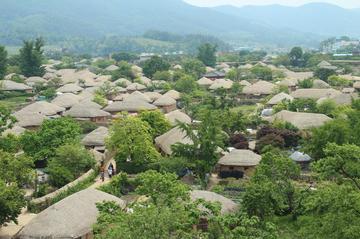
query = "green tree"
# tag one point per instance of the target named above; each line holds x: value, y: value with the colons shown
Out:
x: 6, y: 118
x: 306, y: 84
x: 335, y: 131
x: 51, y: 135
x: 162, y: 76
x: 15, y: 171
x: 262, y: 72
x: 207, y: 54
x: 157, y: 121
x: 194, y: 67
x: 338, y: 81
x: 207, y: 138
x: 273, y: 187
x: 31, y: 58
x: 327, y: 107
x: 154, y: 64
x: 124, y: 71
x: 296, y: 56
x: 186, y: 84
x: 130, y: 139
x: 162, y: 188
x: 3, y: 62
x: 12, y: 200
x: 302, y: 105
x: 324, y: 73
x: 124, y: 56
x: 69, y: 162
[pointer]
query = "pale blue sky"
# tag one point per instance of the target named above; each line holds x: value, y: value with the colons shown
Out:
x: 342, y: 3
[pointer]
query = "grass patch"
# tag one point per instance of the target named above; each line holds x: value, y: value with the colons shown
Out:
x: 14, y: 103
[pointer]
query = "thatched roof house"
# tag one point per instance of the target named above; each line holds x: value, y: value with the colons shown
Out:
x: 111, y: 68
x: 136, y: 87
x: 70, y: 88
x: 298, y: 75
x: 227, y: 205
x: 342, y: 99
x: 35, y: 80
x: 153, y: 95
x: 289, y: 82
x: 301, y: 120
x: 29, y: 120
x: 87, y: 110
x: 173, y: 136
x: 357, y: 85
x: 96, y: 138
x: 144, y: 80
x: 314, y: 93
x: 131, y: 106
x: 221, y: 83
x: 320, y: 84
x: 166, y: 103
x: 72, y: 217
x: 8, y: 85
x: 44, y: 108
x: 259, y: 88
x: 279, y: 98
x: 326, y: 65
x: 348, y: 90
x: 137, y: 95
x: 177, y: 116
x: 206, y: 82
x: 173, y: 94
x: 66, y: 100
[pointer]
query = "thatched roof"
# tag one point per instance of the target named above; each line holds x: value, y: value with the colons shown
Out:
x: 314, y: 93
x: 111, y: 68
x: 173, y: 136
x: 165, y: 101
x: 177, y: 67
x: 153, y: 95
x: 209, y: 69
x: 136, y: 86
x: 350, y: 77
x: 11, y: 75
x: 121, y: 97
x: 357, y: 85
x: 326, y: 65
x: 244, y: 83
x: 66, y: 100
x: 70, y: 88
x: 279, y: 98
x: 246, y: 66
x: 227, y: 205
x: 9, y: 85
x: 137, y: 95
x: 259, y: 88
x: 301, y: 120
x: 221, y: 83
x: 320, y: 84
x: 96, y: 137
x: 348, y: 90
x: 72, y: 217
x: 341, y: 99
x: 177, y: 116
x: 298, y: 75
x: 205, y: 81
x: 173, y: 94
x: 86, y: 109
x: 15, y: 130
x: 144, y: 80
x: 73, y: 76
x: 29, y: 119
x: 129, y: 106
x: 240, y: 157
x: 289, y: 82
x: 35, y: 80
x: 43, y: 107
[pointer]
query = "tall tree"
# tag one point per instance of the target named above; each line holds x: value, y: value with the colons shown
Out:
x: 296, y: 55
x: 3, y: 61
x: 31, y: 58
x: 154, y: 64
x: 207, y: 54
x: 6, y: 119
x: 131, y: 140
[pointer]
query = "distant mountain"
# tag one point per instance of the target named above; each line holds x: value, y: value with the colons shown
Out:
x: 58, y: 20
x: 319, y: 18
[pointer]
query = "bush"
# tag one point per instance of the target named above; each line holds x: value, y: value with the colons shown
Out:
x: 175, y: 165
x: 269, y: 140
x: 239, y: 141
x: 306, y: 84
x: 119, y: 185
x: 87, y: 126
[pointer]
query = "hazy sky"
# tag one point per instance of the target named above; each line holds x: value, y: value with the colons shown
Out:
x: 342, y: 3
